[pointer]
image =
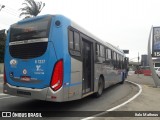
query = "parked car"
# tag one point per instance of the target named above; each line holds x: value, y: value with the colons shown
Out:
x: 157, y: 72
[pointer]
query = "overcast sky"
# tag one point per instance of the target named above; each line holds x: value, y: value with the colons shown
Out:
x: 123, y: 23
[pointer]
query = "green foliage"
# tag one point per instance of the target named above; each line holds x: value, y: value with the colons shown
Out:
x: 31, y: 8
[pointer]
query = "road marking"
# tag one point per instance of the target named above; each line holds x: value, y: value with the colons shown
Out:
x: 1, y: 76
x: 2, y: 94
x: 118, y: 106
x: 7, y: 97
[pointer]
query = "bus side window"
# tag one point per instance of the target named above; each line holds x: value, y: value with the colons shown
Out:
x: 122, y: 62
x: 114, y: 59
x: 106, y: 54
x: 118, y: 61
x: 97, y: 50
x: 102, y: 51
x: 74, y: 43
x: 108, y: 57
x: 70, y: 39
x: 109, y: 54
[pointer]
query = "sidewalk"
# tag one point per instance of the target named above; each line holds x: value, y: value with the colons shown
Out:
x: 148, y: 100
x: 1, y: 75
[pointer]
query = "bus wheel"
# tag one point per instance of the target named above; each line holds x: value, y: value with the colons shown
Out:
x: 100, y: 88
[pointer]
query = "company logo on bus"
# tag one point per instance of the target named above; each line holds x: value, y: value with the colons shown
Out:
x: 13, y: 62
x: 24, y: 71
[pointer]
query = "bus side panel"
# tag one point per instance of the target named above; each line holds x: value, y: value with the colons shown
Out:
x: 97, y: 73
x: 106, y: 72
x: 101, y: 69
x: 75, y: 89
x: 60, y: 42
x: 120, y: 74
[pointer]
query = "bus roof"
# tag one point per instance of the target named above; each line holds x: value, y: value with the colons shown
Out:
x: 76, y: 26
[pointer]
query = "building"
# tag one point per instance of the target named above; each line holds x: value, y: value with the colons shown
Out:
x: 144, y: 60
x: 156, y: 62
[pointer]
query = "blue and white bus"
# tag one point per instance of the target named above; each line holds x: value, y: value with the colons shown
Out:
x: 51, y: 58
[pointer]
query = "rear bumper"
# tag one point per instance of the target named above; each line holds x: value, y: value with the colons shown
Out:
x: 25, y: 92
x: 41, y: 94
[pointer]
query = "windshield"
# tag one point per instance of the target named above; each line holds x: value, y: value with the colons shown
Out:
x: 29, y: 38
x: 155, y: 68
x: 30, y: 30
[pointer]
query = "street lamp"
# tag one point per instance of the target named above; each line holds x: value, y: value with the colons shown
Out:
x: 1, y: 6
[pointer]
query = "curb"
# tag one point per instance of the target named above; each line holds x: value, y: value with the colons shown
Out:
x: 135, y: 96
x: 118, y: 106
x: 1, y: 75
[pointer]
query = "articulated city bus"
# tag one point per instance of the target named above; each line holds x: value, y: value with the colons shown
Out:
x: 51, y: 58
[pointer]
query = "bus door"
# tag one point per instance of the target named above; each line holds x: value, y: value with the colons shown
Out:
x: 87, y: 50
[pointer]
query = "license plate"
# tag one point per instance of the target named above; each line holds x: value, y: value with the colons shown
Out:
x: 25, y: 78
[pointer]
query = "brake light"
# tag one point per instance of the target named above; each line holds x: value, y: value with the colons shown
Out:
x: 4, y: 76
x: 57, y: 76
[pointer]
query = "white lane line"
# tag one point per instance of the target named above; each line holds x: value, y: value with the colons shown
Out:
x: 139, y: 92
x: 6, y: 97
x: 2, y: 94
x: 118, y: 106
x: 1, y: 75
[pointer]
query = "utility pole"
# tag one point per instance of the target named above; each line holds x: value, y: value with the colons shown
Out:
x: 138, y: 58
x: 138, y: 63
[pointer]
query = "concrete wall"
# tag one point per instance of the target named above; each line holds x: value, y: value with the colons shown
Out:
x: 1, y: 68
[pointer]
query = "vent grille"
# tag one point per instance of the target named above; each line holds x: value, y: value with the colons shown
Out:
x: 28, y: 51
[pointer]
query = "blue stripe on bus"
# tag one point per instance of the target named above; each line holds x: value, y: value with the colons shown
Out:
x: 74, y: 84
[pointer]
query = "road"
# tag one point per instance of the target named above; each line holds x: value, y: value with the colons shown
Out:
x: 1, y: 84
x: 111, y: 97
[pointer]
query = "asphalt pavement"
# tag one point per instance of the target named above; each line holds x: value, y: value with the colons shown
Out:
x: 111, y: 97
x: 147, y: 102
x: 1, y: 83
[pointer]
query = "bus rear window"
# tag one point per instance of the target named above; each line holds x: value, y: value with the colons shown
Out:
x: 30, y: 30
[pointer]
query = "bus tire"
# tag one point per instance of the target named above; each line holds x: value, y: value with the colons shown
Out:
x: 100, y: 88
x: 123, y: 78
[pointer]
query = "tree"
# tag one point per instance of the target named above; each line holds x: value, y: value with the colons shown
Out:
x: 31, y: 8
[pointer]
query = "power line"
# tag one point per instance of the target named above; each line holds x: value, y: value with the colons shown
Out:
x: 11, y: 8
x: 10, y: 11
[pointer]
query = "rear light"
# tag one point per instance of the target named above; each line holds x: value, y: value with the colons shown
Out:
x: 4, y: 76
x: 57, y: 76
